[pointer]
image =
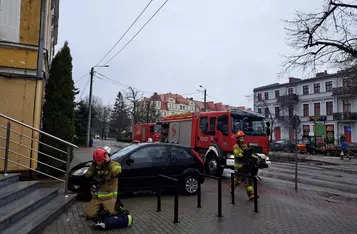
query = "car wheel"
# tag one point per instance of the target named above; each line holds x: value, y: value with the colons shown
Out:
x: 190, y: 185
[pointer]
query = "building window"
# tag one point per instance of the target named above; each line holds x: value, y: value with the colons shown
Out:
x: 346, y: 82
x: 306, y: 110
x: 277, y: 93
x: 306, y: 130
x: 259, y: 110
x: 328, y: 86
x: 346, y: 106
x: 316, y: 88
x: 329, y: 108
x: 317, y: 109
x: 266, y: 96
x: 266, y: 112
x: 290, y: 91
x: 259, y: 96
x: 277, y: 112
x: 305, y: 90
x: 291, y: 111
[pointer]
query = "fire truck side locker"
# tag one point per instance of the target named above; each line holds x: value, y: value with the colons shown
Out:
x: 180, y: 132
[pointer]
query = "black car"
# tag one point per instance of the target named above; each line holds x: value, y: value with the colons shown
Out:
x: 141, y: 163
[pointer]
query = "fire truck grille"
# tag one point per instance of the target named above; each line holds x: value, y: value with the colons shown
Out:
x: 258, y: 149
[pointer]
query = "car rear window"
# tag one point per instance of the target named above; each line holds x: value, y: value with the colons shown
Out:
x: 180, y: 154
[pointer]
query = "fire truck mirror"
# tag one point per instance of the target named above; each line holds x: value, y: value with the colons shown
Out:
x: 268, y: 124
x: 268, y: 131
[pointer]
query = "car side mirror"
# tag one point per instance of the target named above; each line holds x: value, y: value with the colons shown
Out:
x: 129, y: 161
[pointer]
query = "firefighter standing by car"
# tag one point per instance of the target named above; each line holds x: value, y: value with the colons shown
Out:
x: 240, y: 167
x: 105, y: 173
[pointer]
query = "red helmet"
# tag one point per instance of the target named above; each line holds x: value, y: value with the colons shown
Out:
x: 239, y: 134
x: 100, y: 155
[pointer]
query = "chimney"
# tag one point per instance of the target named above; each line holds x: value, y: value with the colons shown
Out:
x: 319, y: 74
x: 293, y: 79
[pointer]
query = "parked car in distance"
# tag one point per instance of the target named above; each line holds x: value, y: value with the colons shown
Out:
x: 142, y: 162
x: 336, y: 149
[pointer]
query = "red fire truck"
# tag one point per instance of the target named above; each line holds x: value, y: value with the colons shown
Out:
x: 211, y: 135
x: 142, y: 132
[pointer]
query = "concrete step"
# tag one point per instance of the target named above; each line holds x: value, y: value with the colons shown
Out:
x: 38, y: 219
x: 16, y: 190
x: 8, y: 179
x: 24, y: 206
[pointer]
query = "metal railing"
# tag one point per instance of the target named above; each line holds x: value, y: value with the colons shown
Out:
x: 7, y: 150
x: 255, y: 188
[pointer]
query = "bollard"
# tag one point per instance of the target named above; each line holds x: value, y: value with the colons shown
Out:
x: 176, y: 207
x: 199, y: 195
x: 232, y: 188
x: 255, y: 194
x: 158, y: 195
x: 220, y: 197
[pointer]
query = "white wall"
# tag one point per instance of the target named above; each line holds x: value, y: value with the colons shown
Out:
x: 10, y: 11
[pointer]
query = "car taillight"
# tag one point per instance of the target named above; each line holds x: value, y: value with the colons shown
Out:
x: 198, y: 156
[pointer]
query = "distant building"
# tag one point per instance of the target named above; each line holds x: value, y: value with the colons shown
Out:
x: 170, y: 104
x: 327, y: 99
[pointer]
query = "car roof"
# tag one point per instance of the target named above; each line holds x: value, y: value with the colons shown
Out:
x: 164, y: 144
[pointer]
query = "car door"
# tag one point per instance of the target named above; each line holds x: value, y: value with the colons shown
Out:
x: 179, y: 161
x: 142, y: 167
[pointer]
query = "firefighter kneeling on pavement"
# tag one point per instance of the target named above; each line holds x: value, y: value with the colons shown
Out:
x: 105, y: 173
x: 241, y: 167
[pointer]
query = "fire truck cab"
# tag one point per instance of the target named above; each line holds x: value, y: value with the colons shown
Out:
x: 211, y: 134
x: 142, y: 132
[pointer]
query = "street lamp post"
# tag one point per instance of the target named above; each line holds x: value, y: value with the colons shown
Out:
x: 90, y: 103
x: 204, y: 98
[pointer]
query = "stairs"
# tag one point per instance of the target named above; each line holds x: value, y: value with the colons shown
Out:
x: 26, y: 208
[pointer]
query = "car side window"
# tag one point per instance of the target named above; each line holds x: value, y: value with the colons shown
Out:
x: 179, y: 154
x: 141, y: 156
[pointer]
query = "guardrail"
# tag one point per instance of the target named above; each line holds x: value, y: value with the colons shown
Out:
x: 255, y: 188
x: 219, y: 192
x: 8, y: 140
x: 158, y: 194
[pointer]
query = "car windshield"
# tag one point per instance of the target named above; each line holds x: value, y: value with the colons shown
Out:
x: 120, y: 153
x: 250, y: 126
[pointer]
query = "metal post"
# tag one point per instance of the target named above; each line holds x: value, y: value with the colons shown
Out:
x: 296, y: 158
x: 199, y: 195
x: 255, y: 194
x: 90, y: 105
x: 176, y: 206
x: 232, y: 188
x: 158, y: 195
x: 7, y: 146
x: 220, y: 197
x: 69, y: 151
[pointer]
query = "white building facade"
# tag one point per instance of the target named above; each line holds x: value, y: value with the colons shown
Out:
x: 325, y: 100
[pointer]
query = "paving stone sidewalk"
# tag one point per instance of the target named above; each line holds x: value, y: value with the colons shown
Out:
x: 281, y: 210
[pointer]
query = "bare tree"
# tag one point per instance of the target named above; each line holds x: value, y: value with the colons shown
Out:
x: 133, y: 98
x: 103, y: 117
x: 328, y: 37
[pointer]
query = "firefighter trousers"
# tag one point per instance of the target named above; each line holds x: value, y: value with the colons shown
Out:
x: 248, y: 182
x: 95, y: 205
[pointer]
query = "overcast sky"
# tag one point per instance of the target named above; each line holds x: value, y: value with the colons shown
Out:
x: 227, y: 46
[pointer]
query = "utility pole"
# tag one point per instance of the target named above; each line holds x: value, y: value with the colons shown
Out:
x: 90, y: 105
x: 204, y: 98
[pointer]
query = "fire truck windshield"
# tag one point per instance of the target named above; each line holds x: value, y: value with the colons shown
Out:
x: 251, y: 126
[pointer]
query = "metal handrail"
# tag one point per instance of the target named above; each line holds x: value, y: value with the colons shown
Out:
x: 22, y: 165
x: 30, y: 138
x: 7, y: 150
x: 38, y: 130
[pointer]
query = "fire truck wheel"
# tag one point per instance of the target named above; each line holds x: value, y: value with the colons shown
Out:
x: 212, y: 166
x: 190, y: 185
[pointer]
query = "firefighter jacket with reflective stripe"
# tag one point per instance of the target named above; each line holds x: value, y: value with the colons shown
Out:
x: 109, y: 174
x: 238, y: 153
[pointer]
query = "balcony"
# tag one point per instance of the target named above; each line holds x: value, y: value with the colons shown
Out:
x: 290, y: 99
x: 344, y: 91
x: 345, y: 116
